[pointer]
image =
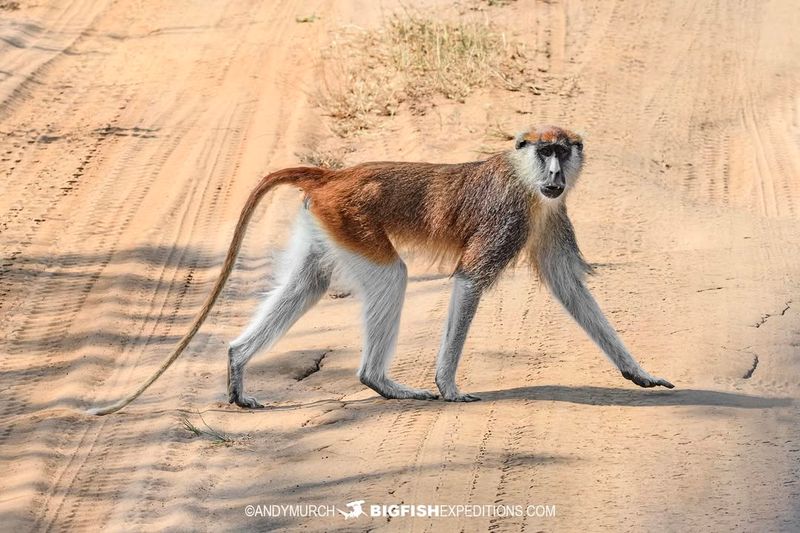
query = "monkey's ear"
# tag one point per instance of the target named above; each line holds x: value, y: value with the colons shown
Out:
x: 520, y: 141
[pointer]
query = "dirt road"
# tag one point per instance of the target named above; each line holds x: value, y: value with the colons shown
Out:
x: 131, y: 134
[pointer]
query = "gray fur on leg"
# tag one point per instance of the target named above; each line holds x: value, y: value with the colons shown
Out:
x: 463, y: 305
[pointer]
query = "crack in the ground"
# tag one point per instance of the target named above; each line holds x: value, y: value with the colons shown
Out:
x: 315, y: 367
x: 749, y: 373
x: 767, y: 316
x: 710, y: 289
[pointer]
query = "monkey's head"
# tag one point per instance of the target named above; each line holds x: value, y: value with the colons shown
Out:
x: 549, y: 158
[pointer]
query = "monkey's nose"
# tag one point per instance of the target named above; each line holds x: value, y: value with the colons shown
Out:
x: 552, y: 191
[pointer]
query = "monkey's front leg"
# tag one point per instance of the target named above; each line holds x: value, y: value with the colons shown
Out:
x: 563, y: 271
x: 463, y: 304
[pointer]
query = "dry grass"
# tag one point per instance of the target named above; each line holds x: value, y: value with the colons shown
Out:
x: 359, y: 94
x: 321, y: 158
x: 497, y: 132
x: 216, y: 437
x: 414, y: 59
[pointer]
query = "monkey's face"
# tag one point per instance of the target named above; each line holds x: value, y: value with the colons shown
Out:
x: 549, y: 160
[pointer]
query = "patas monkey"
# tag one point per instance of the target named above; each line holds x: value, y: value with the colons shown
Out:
x: 486, y: 213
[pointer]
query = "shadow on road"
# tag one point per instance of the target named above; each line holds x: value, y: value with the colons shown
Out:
x: 611, y: 396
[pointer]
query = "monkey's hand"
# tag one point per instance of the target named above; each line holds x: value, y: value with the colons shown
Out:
x: 643, y: 379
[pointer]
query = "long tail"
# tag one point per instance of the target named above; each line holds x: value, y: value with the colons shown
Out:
x: 265, y: 185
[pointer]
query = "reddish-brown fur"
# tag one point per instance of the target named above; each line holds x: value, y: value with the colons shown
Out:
x: 445, y: 207
x: 551, y: 134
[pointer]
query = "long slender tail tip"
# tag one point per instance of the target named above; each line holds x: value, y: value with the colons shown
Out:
x: 98, y: 411
x: 107, y: 410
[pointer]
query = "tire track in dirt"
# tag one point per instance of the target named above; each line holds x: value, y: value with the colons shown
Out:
x: 17, y: 230
x: 172, y: 285
x: 191, y: 213
x: 108, y: 200
x: 221, y: 165
x: 170, y: 458
x: 500, y: 446
x: 48, y: 306
x: 33, y: 47
x: 101, y: 478
x: 111, y: 198
x: 515, y: 471
x: 197, y: 210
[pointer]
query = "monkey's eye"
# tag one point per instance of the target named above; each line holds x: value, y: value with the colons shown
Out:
x: 562, y: 151
x: 559, y: 150
x: 547, y: 150
x: 579, y: 146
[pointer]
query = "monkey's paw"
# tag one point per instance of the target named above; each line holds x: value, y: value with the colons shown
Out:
x: 392, y: 390
x: 247, y: 402
x: 404, y: 393
x: 643, y: 379
x: 461, y: 397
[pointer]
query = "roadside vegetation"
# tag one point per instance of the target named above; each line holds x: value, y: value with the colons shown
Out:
x: 411, y: 61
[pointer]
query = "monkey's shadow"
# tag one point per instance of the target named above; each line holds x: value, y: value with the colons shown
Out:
x: 586, y: 395
x: 590, y: 395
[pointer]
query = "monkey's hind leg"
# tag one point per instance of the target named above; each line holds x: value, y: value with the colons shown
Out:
x: 306, y: 277
x: 383, y: 289
x: 463, y: 304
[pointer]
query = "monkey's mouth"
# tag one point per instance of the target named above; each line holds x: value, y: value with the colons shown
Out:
x: 552, y: 191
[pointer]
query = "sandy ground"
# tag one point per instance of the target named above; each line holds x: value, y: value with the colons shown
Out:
x: 132, y: 132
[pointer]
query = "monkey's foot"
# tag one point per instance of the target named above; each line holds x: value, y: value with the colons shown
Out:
x: 235, y: 395
x: 460, y: 397
x: 395, y: 391
x: 643, y: 379
x: 450, y: 392
x: 248, y: 402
